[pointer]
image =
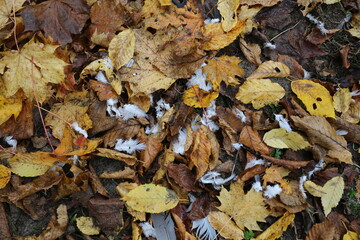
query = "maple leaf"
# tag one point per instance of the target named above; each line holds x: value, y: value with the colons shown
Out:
x: 245, y: 209
x: 58, y: 18
x: 7, y: 6
x: 33, y: 62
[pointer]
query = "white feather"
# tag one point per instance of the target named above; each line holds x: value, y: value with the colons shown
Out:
x: 319, y: 24
x: 164, y: 226
x: 12, y: 142
x: 77, y: 128
x: 283, y: 122
x: 199, y: 78
x: 272, y: 191
x: 148, y: 229
x: 101, y: 77
x: 241, y: 115
x: 129, y: 146
x: 179, y: 143
x: 204, y: 230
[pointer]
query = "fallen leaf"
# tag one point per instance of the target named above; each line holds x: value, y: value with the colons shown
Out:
x: 324, y: 231
x: 265, y: 3
x: 31, y: 69
x: 123, y: 129
x: 113, y: 154
x: 308, y: 5
x: 198, y: 98
x: 342, y: 100
x: 355, y: 23
x: 183, y: 176
x: 57, y: 225
x: 153, y: 146
x: 251, y: 51
x: 260, y: 92
x: 251, y: 138
x: 353, y: 114
x: 270, y: 69
x: 5, y: 175
x: 245, y: 209
x: 276, y: 229
x: 122, y: 47
x: 228, y: 11
x: 316, y: 97
x: 86, y: 225
x: 104, y: 91
x: 9, y: 106
x: 225, y: 226
x: 7, y: 8
x: 59, y: 19
x: 127, y: 173
x: 151, y: 198
x: 351, y: 236
x: 280, y: 138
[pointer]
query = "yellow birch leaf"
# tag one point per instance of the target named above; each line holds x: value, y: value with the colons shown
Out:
x: 342, y: 100
x: 198, y: 98
x: 316, y: 97
x: 314, y: 189
x: 33, y: 62
x: 280, y: 138
x: 228, y: 12
x: 353, y: 114
x: 5, y: 175
x: 122, y: 47
x: 351, y: 236
x: 270, y: 69
x: 276, y: 229
x: 151, y: 198
x: 225, y: 226
x: 218, y: 38
x: 31, y: 164
x: 333, y: 189
x: 223, y: 68
x: 260, y: 92
x: 245, y: 209
x: 9, y: 106
x: 86, y: 225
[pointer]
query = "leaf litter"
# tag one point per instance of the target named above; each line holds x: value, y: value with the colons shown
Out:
x: 223, y: 128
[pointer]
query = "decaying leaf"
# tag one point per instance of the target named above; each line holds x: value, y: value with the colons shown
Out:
x: 280, y: 138
x: 316, y: 97
x: 86, y: 225
x: 276, y: 229
x: 353, y: 114
x: 31, y: 69
x: 260, y: 92
x: 151, y: 198
x: 270, y: 69
x: 225, y: 226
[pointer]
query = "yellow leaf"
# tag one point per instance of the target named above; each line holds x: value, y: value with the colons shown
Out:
x: 9, y: 106
x: 280, y: 138
x: 19, y: 71
x: 265, y: 3
x: 151, y: 198
x: 353, y: 114
x: 31, y: 164
x: 355, y: 23
x: 228, y: 11
x: 198, y: 98
x: 314, y: 189
x: 260, y: 92
x: 122, y: 47
x: 276, y: 229
x: 223, y: 68
x: 6, y: 9
x: 5, y: 175
x: 219, y: 39
x: 86, y: 225
x: 225, y: 226
x: 333, y: 189
x: 316, y: 97
x: 109, y: 153
x: 270, y: 69
x: 245, y: 209
x: 342, y: 100
x: 351, y: 236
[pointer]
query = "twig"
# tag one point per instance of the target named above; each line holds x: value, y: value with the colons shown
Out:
x: 286, y: 30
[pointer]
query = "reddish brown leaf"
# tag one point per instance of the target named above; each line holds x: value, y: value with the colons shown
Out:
x: 251, y: 172
x: 323, y: 231
x: 123, y: 129
x: 152, y: 147
x: 57, y: 18
x: 103, y: 90
x: 251, y: 138
x: 100, y: 121
x: 344, y: 52
x: 355, y: 225
x: 183, y: 177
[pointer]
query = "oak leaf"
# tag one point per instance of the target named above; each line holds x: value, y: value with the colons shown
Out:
x: 270, y: 69
x: 260, y: 92
x: 246, y: 209
x: 31, y: 69
x: 316, y: 97
x: 280, y: 138
x: 58, y: 18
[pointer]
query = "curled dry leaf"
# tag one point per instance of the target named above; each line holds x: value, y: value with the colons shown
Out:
x: 270, y: 69
x: 113, y: 154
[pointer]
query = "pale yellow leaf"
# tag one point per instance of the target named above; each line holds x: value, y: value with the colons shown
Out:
x: 260, y: 92
x: 316, y: 97
x: 165, y: 2
x: 314, y: 189
x: 6, y: 10
x: 5, y: 175
x: 280, y: 138
x: 276, y: 229
x: 265, y: 3
x: 342, y: 100
x: 351, y: 236
x: 227, y: 9
x: 9, y: 106
x: 31, y: 69
x: 225, y: 226
x: 151, y: 198
x: 331, y: 1
x: 270, y: 69
x: 353, y: 114
x: 86, y: 225
x: 122, y: 47
x: 333, y: 189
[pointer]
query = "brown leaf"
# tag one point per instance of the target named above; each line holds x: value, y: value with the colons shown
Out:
x: 57, y: 225
x: 113, y: 154
x: 68, y: 186
x: 58, y: 18
x: 324, y: 231
x: 123, y: 129
x: 340, y: 222
x: 95, y: 182
x: 100, y: 121
x: 296, y: 70
x: 200, y: 152
x: 353, y: 130
x: 182, y: 112
x: 34, y: 205
x: 4, y: 227
x: 104, y: 91
x: 286, y: 163
x: 355, y: 225
x: 251, y: 172
x: 152, y: 147
x: 183, y: 176
x: 251, y: 51
x: 251, y: 138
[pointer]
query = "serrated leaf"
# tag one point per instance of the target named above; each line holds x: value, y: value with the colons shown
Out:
x: 270, y: 69
x: 225, y: 226
x: 151, y: 198
x: 280, y: 138
x: 260, y: 92
x: 314, y: 189
x: 122, y: 47
x: 333, y: 189
x: 315, y: 96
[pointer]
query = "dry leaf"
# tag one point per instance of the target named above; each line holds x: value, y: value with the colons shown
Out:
x: 225, y: 226
x: 5, y: 175
x: 122, y: 47
x: 342, y: 100
x: 251, y: 138
x: 276, y: 229
x: 228, y: 11
x: 355, y: 23
x: 9, y: 106
x: 280, y: 138
x: 113, y: 154
x: 270, y: 69
x: 57, y: 225
x: 198, y: 98
x: 265, y: 3
x: 31, y: 69
x: 6, y: 11
x: 351, y: 236
x: 316, y: 97
x: 151, y: 198
x: 260, y: 92
x: 245, y: 209
x: 353, y: 114
x: 323, y: 231
x: 251, y: 51
x: 86, y: 225
x: 127, y: 173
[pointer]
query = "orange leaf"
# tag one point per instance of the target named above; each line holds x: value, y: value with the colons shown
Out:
x: 251, y: 138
